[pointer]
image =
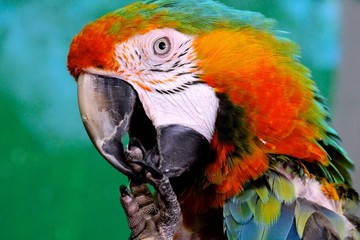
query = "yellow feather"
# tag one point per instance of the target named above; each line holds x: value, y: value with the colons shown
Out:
x: 269, y: 212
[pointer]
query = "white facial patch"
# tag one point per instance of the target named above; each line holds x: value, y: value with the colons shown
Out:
x: 195, y: 107
x: 162, y: 67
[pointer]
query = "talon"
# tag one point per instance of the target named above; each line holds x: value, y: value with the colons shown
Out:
x: 155, y: 173
x: 137, y: 168
x: 150, y: 218
x: 134, y: 151
x: 135, y: 143
x: 124, y: 191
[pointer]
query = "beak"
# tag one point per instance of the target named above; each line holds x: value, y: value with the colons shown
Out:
x: 106, y: 105
x: 110, y: 108
x: 181, y: 149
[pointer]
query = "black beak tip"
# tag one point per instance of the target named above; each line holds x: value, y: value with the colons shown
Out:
x: 181, y: 148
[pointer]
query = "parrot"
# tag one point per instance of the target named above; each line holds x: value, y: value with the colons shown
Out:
x: 212, y: 107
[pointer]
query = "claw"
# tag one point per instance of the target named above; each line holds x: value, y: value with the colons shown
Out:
x: 124, y: 191
x: 147, y: 217
x: 155, y: 173
x: 135, y: 143
x: 134, y: 151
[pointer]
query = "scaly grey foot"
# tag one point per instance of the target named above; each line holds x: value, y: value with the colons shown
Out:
x: 149, y: 216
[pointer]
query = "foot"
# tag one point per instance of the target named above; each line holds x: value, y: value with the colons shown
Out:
x: 149, y: 216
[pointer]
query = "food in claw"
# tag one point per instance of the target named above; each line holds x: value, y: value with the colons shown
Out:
x: 218, y: 103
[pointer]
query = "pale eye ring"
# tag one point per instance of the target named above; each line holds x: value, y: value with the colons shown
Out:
x: 162, y: 46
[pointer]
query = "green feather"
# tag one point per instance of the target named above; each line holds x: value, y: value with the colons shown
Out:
x: 192, y: 17
x: 302, y: 213
x: 340, y: 164
x: 244, y: 196
x: 282, y: 187
x: 337, y: 177
x: 263, y: 193
x: 241, y: 212
x: 213, y: 14
x: 252, y: 202
x: 324, y: 171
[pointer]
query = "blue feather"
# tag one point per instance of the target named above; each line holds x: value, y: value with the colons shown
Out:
x: 243, y: 227
x: 282, y: 228
x: 293, y: 235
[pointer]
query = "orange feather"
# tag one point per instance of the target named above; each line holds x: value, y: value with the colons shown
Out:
x: 259, y: 73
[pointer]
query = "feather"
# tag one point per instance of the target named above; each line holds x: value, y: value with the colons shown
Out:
x: 252, y: 231
x: 259, y: 213
x: 283, y: 228
x: 237, y: 213
x: 282, y: 187
x: 314, y: 220
x: 244, y: 196
x: 335, y: 219
x: 269, y: 212
x: 303, y: 210
x: 240, y: 212
x: 263, y: 193
x: 293, y: 234
x: 237, y: 228
x: 231, y: 226
x: 318, y: 227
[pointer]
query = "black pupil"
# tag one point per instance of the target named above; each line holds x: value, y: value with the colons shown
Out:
x: 162, y: 45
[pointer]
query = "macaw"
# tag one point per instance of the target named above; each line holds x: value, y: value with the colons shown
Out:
x: 223, y: 120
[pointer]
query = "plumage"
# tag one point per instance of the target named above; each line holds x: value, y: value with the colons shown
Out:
x: 274, y: 165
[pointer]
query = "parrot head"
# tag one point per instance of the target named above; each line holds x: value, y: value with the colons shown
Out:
x: 138, y: 74
x: 196, y: 83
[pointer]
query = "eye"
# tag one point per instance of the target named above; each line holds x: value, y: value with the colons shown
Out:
x: 162, y: 46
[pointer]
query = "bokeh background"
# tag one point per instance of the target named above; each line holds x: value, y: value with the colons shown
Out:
x: 53, y: 183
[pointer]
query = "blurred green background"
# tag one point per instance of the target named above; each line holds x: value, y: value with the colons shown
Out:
x: 53, y: 183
